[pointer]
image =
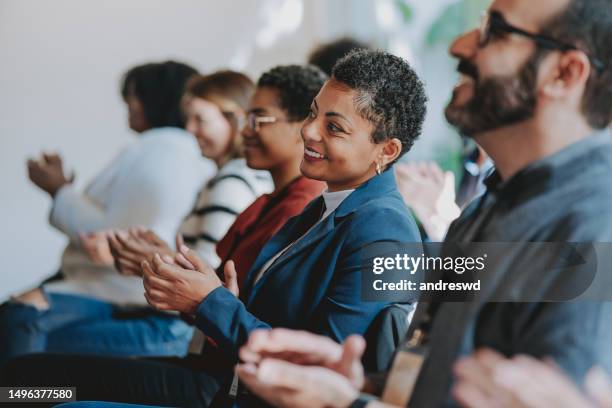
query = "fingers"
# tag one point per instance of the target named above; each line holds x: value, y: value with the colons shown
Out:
x: 179, y: 241
x: 281, y: 374
x: 599, y: 387
x: 165, y: 269
x: 469, y: 396
x: 477, y: 375
x: 153, y: 282
x: 128, y: 268
x: 52, y: 158
x: 126, y: 261
x: 350, y: 361
x: 159, y: 305
x: 248, y: 375
x: 154, y: 296
x: 300, y: 346
x: 193, y: 258
x: 231, y: 277
x: 142, y: 233
x: 183, y: 262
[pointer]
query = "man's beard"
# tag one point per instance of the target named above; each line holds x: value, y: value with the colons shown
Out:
x: 497, y: 102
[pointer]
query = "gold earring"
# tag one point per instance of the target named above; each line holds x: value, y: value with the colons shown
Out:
x: 378, y: 168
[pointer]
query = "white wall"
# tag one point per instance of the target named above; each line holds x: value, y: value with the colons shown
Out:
x: 60, y: 64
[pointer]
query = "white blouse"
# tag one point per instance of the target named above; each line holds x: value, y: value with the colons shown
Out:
x: 152, y: 183
x: 332, y: 202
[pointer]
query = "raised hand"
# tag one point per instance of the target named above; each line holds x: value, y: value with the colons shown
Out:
x: 430, y: 192
x: 47, y: 173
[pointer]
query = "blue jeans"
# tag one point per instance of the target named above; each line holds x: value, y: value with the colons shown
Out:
x: 78, y: 324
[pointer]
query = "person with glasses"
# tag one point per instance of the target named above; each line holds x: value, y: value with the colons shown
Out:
x: 271, y: 141
x: 308, y: 276
x: 215, y: 107
x: 542, y: 114
x: 254, y: 226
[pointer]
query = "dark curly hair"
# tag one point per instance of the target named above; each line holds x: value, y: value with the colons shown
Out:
x: 389, y: 94
x: 159, y: 87
x: 297, y: 86
x: 326, y: 55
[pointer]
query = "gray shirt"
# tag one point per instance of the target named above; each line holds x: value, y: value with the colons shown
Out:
x: 564, y: 198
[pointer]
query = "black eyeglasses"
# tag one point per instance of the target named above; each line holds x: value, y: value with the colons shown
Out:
x: 494, y: 24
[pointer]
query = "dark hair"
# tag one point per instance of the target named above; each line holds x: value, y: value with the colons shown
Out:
x: 227, y: 85
x: 159, y: 87
x: 389, y: 94
x: 587, y: 24
x: 326, y: 55
x: 297, y: 86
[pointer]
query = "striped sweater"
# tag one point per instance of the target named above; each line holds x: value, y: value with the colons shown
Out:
x: 226, y: 195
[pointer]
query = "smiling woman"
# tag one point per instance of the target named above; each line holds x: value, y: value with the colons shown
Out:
x: 361, y: 123
x: 308, y: 275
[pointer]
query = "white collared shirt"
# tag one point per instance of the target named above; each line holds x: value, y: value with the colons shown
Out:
x: 332, y: 202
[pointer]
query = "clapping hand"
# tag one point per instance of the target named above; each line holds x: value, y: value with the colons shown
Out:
x: 96, y: 246
x: 48, y: 173
x: 430, y: 192
x: 172, y: 286
x: 130, y: 248
x: 298, y: 369
x: 488, y: 379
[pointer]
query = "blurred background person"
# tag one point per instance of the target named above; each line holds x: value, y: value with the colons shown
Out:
x: 151, y: 183
x: 430, y: 192
x: 327, y: 54
x: 216, y: 113
x: 216, y: 109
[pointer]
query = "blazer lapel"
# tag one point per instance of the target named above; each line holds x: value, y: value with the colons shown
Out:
x: 315, y: 235
x: 372, y: 189
x: 293, y: 229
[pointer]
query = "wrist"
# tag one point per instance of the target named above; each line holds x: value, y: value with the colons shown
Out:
x: 55, y: 189
x: 361, y: 401
x: 345, y: 397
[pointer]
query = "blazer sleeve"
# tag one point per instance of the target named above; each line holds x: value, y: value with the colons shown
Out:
x: 342, y: 312
x: 225, y: 318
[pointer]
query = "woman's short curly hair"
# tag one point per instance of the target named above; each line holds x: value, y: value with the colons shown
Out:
x: 389, y: 94
x: 297, y: 86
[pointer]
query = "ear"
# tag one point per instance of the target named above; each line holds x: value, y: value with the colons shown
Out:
x: 391, y: 150
x: 566, y: 74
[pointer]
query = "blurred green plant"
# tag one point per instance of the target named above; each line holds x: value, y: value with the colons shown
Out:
x: 405, y: 10
x: 456, y: 18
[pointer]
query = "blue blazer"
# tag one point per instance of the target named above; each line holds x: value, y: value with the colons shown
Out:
x: 316, y: 284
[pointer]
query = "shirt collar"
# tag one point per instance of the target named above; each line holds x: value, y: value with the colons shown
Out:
x: 334, y: 199
x: 559, y: 166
